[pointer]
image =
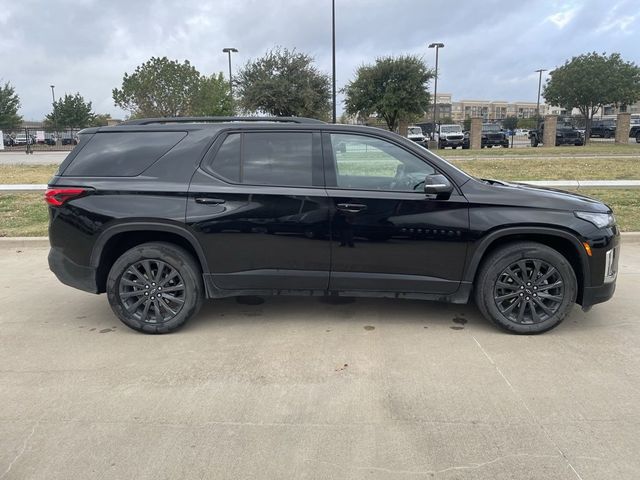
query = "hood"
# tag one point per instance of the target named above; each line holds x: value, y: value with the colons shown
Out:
x: 509, y: 193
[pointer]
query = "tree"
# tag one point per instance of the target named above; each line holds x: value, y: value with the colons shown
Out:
x: 528, y: 123
x: 71, y: 111
x: 590, y: 81
x: 284, y: 83
x: 510, y: 123
x: 159, y: 88
x: 212, y: 97
x: 100, y: 120
x: 445, y: 121
x: 394, y: 88
x: 9, y: 105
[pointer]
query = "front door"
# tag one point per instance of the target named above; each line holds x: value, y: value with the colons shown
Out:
x: 258, y: 207
x: 387, y: 235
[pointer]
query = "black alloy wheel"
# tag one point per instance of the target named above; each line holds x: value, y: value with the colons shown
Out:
x: 152, y: 291
x: 529, y: 291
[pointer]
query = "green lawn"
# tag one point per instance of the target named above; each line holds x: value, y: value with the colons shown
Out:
x: 596, y: 149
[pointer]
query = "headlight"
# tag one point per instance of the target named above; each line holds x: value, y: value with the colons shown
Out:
x: 600, y: 220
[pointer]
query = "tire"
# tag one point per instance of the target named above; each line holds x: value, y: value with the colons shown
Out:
x: 534, y: 141
x: 173, y: 267
x: 638, y: 137
x: 607, y: 134
x: 454, y: 147
x: 493, y: 282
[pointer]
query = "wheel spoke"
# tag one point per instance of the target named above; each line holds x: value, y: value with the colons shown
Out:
x: 137, y: 273
x: 547, y: 274
x: 523, y: 305
x: 502, y: 298
x: 536, y: 270
x: 170, y: 276
x: 173, y: 288
x: 132, y: 308
x: 143, y: 315
x: 546, y: 309
x: 549, y: 286
x: 523, y: 270
x: 553, y: 298
x: 135, y: 293
x: 174, y: 299
x: 164, y: 305
x: 534, y: 313
x: 510, y: 286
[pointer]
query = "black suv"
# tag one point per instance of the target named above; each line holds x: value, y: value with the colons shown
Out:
x: 492, y: 136
x: 161, y: 213
x: 603, y: 129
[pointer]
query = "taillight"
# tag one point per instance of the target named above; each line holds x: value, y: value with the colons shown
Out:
x: 59, y: 196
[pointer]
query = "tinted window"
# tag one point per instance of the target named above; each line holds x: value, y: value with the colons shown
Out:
x: 373, y: 164
x: 227, y: 161
x: 122, y: 154
x: 277, y: 158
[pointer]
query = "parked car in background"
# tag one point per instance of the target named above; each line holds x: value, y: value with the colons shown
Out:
x: 450, y: 135
x: 603, y: 128
x: 634, y: 132
x: 566, y: 134
x: 22, y: 139
x: 521, y: 131
x: 415, y: 134
x: 7, y: 140
x: 68, y: 138
x: 494, y: 136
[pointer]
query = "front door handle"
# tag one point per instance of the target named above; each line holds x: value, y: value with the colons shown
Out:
x: 351, y: 207
x: 210, y: 201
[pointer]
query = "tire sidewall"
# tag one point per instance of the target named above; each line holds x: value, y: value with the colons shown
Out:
x: 496, y: 266
x: 177, y: 258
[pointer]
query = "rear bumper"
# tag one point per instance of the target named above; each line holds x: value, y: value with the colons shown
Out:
x: 70, y: 273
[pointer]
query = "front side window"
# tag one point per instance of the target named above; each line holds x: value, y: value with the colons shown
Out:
x: 369, y: 163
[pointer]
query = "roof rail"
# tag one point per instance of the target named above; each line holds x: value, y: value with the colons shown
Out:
x: 150, y: 121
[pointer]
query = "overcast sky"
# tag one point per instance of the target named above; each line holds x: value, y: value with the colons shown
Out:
x: 492, y: 47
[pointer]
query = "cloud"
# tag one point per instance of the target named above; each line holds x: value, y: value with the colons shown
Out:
x: 491, y: 48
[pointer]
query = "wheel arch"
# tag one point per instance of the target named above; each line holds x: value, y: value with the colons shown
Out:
x: 117, y: 239
x: 563, y: 242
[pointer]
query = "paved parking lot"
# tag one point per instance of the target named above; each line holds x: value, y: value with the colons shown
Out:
x: 310, y: 388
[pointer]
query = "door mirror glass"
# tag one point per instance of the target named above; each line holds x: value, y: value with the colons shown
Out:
x: 439, y: 185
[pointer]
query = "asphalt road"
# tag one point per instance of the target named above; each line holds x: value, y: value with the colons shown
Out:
x: 315, y: 389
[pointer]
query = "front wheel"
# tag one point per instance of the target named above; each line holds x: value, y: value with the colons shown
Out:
x: 155, y: 287
x: 526, y: 288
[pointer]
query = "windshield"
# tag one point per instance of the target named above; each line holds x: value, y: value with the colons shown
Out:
x: 491, y: 128
x: 415, y: 131
x: 451, y: 129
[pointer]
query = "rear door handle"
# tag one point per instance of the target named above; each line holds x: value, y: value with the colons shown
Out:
x: 351, y: 207
x: 210, y: 201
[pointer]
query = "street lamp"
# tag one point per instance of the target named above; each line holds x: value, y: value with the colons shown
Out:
x: 53, y: 113
x: 437, y: 46
x: 539, y: 85
x: 230, y: 50
x: 333, y: 58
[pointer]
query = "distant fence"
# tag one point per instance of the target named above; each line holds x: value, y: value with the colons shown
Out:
x: 38, y: 139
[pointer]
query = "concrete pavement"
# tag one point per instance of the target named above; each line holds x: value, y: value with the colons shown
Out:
x: 310, y: 388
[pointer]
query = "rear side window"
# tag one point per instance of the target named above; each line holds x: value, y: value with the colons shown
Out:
x: 277, y: 159
x: 266, y: 158
x: 121, y: 154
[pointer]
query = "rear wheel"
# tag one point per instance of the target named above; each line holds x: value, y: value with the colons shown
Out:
x: 155, y: 287
x: 526, y: 288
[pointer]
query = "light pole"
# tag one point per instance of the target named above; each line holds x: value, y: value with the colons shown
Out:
x: 53, y: 113
x: 437, y: 46
x: 333, y: 60
x: 230, y: 50
x: 539, y: 85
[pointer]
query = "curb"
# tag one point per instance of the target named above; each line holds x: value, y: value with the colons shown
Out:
x: 42, y: 242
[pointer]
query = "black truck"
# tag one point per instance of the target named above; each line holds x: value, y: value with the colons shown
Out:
x: 566, y: 134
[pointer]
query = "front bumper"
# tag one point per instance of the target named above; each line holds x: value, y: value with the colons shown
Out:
x: 70, y: 273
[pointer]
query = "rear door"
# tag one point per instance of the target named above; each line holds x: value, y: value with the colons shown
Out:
x: 258, y: 207
x: 387, y: 235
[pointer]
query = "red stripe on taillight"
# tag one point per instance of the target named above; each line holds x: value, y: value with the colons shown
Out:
x: 59, y: 196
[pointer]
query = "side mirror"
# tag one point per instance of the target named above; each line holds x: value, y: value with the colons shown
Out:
x: 438, y: 185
